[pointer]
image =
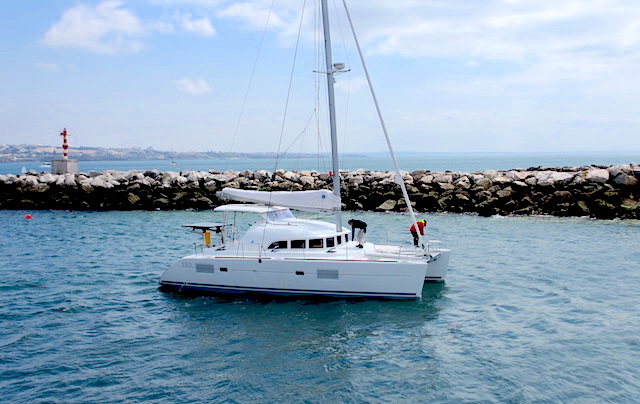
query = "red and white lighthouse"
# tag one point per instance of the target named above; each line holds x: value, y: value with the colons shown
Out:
x: 65, y: 165
x: 65, y: 144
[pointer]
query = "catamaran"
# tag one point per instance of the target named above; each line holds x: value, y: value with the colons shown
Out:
x: 284, y: 255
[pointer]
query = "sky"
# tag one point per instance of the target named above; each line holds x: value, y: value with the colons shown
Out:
x: 451, y: 75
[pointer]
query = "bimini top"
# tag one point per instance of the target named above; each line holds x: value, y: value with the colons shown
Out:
x: 311, y: 201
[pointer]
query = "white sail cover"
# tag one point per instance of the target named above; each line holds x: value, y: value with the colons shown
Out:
x: 311, y: 201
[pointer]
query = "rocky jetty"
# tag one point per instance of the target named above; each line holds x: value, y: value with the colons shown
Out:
x: 604, y: 192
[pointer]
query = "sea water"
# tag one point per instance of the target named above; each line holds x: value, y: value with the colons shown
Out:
x: 534, y: 309
x: 436, y: 162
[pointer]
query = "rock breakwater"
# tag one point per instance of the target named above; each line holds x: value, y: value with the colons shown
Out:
x: 604, y: 192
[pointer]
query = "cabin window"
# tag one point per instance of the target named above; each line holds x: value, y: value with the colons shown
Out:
x: 315, y: 243
x: 277, y: 244
x: 339, y: 239
x: 331, y: 242
x: 298, y: 243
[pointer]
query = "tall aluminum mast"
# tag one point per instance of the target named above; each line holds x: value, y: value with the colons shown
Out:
x: 332, y: 108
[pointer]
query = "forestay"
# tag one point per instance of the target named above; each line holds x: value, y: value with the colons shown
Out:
x: 310, y: 201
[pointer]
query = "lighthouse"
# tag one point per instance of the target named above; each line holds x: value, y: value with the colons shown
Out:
x: 65, y: 165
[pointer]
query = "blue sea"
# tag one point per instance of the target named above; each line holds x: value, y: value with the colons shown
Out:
x: 437, y: 162
x: 534, y: 309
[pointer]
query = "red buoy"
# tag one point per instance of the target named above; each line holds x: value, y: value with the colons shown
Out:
x: 28, y: 216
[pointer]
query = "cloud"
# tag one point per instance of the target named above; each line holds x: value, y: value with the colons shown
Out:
x: 106, y: 28
x: 542, y: 41
x: 193, y: 86
x: 201, y: 26
x: 255, y: 14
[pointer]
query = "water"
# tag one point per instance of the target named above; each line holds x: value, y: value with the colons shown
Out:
x: 467, y: 162
x: 534, y: 310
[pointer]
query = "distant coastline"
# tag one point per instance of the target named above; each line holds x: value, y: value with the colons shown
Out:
x: 32, y: 153
x: 29, y: 153
x: 410, y: 161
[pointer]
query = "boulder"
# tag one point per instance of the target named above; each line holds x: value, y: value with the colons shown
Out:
x: 542, y: 175
x: 132, y: 198
x: 48, y: 178
x: 463, y: 182
x: 387, y: 205
x: 491, y: 174
x: 626, y: 180
x: 210, y: 186
x: 561, y: 177
x: 31, y: 180
x: 501, y: 180
x: 443, y: 179
x: 307, y: 180
x: 599, y: 176
x: 291, y: 176
x: 227, y: 176
x: 261, y: 175
x: 152, y: 174
x: 518, y: 175
x: 563, y: 194
x: 180, y: 180
x: 485, y: 183
x: 193, y: 176
x: 426, y: 179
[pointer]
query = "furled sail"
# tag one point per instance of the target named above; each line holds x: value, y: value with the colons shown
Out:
x: 311, y: 201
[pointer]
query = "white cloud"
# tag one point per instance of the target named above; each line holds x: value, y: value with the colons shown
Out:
x: 542, y: 40
x: 200, y: 26
x: 193, y: 86
x: 255, y: 14
x: 106, y: 28
x: 163, y: 27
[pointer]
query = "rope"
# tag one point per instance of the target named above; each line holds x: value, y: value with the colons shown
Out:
x: 246, y: 94
x: 284, y: 117
x: 384, y: 126
x: 286, y: 105
x: 346, y: 111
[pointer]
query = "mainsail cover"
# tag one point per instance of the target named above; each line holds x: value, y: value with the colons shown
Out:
x: 311, y: 201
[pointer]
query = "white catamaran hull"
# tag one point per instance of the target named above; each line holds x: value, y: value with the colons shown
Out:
x: 304, y: 277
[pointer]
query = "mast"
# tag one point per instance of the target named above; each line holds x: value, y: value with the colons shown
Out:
x: 332, y: 109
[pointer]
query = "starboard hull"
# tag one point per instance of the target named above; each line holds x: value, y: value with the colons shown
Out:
x: 298, y: 277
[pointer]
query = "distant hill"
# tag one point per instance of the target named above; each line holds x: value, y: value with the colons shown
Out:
x: 26, y: 152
